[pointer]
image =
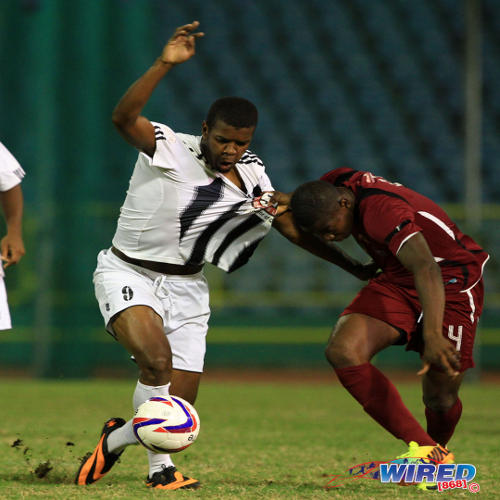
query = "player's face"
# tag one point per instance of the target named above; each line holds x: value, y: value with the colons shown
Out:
x: 335, y: 227
x: 224, y: 145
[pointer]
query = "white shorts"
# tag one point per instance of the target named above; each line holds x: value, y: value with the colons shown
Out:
x: 181, y: 301
x: 5, y: 323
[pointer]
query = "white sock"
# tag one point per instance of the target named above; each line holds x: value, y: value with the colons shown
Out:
x: 124, y: 436
x: 143, y: 393
x: 121, y: 437
x: 156, y: 460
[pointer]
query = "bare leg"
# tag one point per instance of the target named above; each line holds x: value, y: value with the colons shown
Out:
x: 356, y: 338
x: 185, y: 384
x: 140, y: 330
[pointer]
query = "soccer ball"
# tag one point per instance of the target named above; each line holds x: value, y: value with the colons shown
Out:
x: 166, y: 424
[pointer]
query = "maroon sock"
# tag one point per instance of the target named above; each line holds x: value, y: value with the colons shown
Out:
x: 441, y: 425
x: 381, y: 400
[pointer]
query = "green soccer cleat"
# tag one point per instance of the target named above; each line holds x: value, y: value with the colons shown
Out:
x: 425, y: 454
x: 425, y: 486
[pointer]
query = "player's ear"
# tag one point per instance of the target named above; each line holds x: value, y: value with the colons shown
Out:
x: 204, y: 130
x: 344, y: 202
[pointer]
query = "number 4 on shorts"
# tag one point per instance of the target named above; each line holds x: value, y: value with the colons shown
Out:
x: 458, y: 337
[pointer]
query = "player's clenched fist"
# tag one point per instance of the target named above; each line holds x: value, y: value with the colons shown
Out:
x: 281, y: 201
x: 181, y: 45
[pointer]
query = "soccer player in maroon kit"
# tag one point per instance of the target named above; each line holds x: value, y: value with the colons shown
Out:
x: 428, y: 296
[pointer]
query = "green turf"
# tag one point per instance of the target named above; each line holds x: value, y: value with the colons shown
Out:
x: 288, y: 334
x: 257, y: 440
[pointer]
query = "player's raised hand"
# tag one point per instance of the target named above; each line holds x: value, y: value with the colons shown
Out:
x: 441, y: 353
x: 181, y: 45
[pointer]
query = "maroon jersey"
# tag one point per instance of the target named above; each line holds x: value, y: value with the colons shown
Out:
x: 388, y: 214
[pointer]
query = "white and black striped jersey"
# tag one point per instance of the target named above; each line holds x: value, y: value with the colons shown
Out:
x: 11, y: 172
x: 180, y: 211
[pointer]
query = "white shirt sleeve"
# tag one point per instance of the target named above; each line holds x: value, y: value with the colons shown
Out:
x: 11, y: 172
x: 265, y: 182
x: 169, y: 149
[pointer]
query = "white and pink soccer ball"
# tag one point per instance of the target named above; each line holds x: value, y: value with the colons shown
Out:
x: 166, y: 424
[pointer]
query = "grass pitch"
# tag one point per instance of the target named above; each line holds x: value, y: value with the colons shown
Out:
x: 273, y: 440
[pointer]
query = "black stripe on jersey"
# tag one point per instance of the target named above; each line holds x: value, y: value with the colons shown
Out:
x: 249, y: 154
x: 344, y: 177
x: 204, y: 197
x: 396, y: 230
x: 250, y: 161
x: 247, y: 161
x: 200, y: 247
x: 19, y: 173
x: 473, y: 252
x: 160, y: 136
x: 244, y: 256
x: 249, y: 157
x: 365, y: 192
x: 250, y: 223
x: 460, y: 244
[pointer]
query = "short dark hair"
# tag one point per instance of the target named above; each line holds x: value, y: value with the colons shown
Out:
x: 235, y: 111
x: 312, y: 201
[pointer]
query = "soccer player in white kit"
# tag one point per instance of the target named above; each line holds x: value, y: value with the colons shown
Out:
x: 11, y: 245
x: 190, y: 200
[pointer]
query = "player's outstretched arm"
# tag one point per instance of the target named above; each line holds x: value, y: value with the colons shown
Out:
x: 331, y: 252
x: 11, y: 245
x: 136, y: 129
x: 416, y: 256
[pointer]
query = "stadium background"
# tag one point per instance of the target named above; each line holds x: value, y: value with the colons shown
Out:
x: 376, y: 85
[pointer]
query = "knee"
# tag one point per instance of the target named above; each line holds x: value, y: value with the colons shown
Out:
x: 338, y: 355
x: 440, y: 403
x: 156, y: 367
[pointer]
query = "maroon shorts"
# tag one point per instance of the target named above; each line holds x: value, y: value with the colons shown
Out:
x: 400, y: 308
